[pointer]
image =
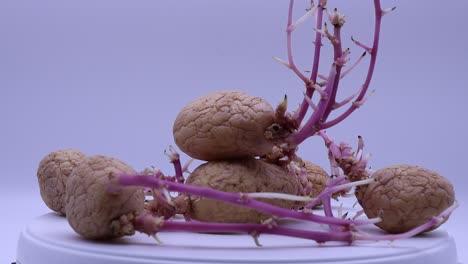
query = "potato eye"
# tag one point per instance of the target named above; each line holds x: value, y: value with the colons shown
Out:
x: 276, y: 127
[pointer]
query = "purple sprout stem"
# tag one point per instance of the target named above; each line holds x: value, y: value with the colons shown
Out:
x: 325, y: 105
x: 318, y: 41
x: 174, y: 158
x: 336, y: 181
x: 152, y: 225
x: 318, y: 120
x: 327, y: 209
x: 315, y: 66
x: 178, y: 171
x: 289, y: 31
x: 375, y: 47
x: 337, y: 55
x: 313, y: 123
x: 347, y: 71
x: 332, y: 189
x: 233, y: 198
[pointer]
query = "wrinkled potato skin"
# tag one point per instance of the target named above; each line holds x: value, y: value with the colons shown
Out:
x: 52, y: 174
x: 317, y: 176
x: 91, y: 206
x: 224, y: 125
x: 235, y: 176
x: 407, y: 196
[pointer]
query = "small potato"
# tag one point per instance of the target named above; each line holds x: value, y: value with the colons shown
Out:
x: 92, y: 207
x: 224, y: 125
x: 406, y: 196
x: 52, y: 175
x: 236, y: 176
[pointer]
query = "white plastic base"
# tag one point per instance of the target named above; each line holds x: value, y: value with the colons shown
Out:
x: 49, y: 239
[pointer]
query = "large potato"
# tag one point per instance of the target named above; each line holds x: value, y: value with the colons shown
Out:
x: 224, y: 125
x: 236, y: 176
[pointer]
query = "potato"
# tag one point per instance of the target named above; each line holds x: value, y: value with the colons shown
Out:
x: 236, y: 176
x: 224, y: 125
x: 52, y: 175
x: 92, y: 206
x: 406, y: 196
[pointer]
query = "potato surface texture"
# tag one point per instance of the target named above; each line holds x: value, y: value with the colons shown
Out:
x: 236, y: 176
x: 224, y: 125
x: 406, y: 196
x: 91, y: 206
x: 52, y: 175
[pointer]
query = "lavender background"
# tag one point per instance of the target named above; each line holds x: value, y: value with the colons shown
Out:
x: 109, y: 77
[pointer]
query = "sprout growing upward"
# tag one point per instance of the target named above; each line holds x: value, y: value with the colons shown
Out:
x: 326, y: 90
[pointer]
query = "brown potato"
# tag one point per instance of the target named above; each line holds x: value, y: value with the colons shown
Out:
x: 92, y: 207
x: 52, y: 174
x: 406, y: 196
x: 236, y: 176
x: 224, y: 125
